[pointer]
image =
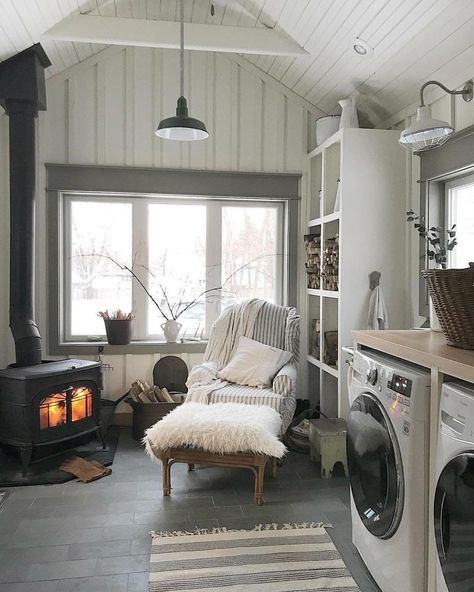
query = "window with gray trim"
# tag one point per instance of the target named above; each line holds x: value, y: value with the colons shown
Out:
x: 441, y: 171
x: 179, y: 248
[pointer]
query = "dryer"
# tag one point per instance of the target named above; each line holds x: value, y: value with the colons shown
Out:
x: 387, y: 447
x: 454, y: 496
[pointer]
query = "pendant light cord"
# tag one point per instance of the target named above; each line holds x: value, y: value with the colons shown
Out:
x: 181, y: 50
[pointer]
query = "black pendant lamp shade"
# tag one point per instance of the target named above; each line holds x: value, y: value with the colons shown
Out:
x: 181, y: 127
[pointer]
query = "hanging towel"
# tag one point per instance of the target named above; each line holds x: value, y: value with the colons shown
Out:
x: 378, y: 315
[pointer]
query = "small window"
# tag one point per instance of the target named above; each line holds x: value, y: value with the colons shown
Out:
x: 460, y: 194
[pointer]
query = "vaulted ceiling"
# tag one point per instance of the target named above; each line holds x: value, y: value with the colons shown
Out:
x: 412, y: 41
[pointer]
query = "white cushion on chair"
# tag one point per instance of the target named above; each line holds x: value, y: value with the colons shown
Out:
x: 254, y: 363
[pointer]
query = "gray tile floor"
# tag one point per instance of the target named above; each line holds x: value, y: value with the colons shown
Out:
x: 94, y: 537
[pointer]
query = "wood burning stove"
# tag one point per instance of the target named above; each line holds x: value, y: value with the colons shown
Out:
x: 40, y: 402
x: 48, y: 403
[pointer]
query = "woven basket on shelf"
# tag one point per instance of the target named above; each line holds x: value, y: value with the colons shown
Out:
x: 452, y: 293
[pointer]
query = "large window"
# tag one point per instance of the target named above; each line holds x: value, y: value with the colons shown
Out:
x: 211, y: 251
x: 460, y: 200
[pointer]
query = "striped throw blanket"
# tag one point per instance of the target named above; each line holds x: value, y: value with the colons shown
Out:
x: 234, y: 322
x: 288, y: 559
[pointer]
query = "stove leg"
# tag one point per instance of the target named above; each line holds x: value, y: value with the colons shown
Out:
x: 25, y: 455
x: 101, y: 437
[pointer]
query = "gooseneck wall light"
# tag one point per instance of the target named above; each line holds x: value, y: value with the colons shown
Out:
x: 428, y: 133
x: 181, y: 127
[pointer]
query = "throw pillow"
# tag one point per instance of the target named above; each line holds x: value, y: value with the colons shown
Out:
x: 254, y: 363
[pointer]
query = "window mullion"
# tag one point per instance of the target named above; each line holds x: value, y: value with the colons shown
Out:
x: 140, y: 256
x: 213, y: 261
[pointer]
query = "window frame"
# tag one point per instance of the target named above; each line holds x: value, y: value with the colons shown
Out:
x: 450, y: 162
x: 449, y: 186
x: 215, y: 187
x: 140, y: 220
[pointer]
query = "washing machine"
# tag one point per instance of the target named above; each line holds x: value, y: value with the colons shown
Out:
x: 454, y: 496
x: 387, y: 448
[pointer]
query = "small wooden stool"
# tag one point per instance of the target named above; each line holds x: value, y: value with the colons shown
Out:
x: 327, y: 439
x: 244, y: 460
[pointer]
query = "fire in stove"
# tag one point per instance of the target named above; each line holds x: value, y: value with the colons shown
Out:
x: 71, y: 404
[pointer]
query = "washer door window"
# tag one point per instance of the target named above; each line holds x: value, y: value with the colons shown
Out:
x: 454, y: 522
x: 375, y: 466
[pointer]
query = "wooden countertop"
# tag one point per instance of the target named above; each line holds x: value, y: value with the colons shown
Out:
x: 423, y: 347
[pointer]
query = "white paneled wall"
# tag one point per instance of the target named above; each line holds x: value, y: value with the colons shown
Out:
x: 105, y: 111
x: 461, y: 115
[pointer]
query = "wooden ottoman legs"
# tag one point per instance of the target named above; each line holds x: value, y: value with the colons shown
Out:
x: 255, y: 462
x: 166, y: 475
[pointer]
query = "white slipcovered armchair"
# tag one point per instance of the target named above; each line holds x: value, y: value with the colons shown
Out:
x: 274, y: 325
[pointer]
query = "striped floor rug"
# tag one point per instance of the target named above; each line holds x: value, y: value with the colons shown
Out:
x: 289, y: 558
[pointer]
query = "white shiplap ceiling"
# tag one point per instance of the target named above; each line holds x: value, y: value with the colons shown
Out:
x: 413, y: 41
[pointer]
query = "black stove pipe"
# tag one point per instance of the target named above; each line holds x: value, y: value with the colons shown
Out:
x: 25, y: 332
x: 22, y: 95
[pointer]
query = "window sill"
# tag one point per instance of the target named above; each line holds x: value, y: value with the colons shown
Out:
x: 135, y: 348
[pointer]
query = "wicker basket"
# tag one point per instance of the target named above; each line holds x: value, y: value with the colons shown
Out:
x: 147, y: 414
x: 452, y: 293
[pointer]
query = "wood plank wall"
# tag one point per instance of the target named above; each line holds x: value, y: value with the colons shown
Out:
x: 105, y: 111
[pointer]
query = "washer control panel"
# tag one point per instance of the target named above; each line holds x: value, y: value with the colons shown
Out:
x: 399, y: 384
x: 394, y: 386
x: 399, y: 389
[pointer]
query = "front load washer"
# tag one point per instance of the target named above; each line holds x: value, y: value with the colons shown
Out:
x: 387, y: 436
x: 454, y: 496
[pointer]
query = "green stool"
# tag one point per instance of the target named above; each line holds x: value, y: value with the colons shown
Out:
x: 327, y: 440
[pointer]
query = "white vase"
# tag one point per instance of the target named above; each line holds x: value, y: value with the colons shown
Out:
x: 349, y: 114
x: 171, y: 329
x: 434, y: 321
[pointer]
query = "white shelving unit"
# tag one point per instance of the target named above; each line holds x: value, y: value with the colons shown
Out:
x: 370, y: 225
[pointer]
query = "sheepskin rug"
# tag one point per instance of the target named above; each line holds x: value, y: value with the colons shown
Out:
x: 223, y: 428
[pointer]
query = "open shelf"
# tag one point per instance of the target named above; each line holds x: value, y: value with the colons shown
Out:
x: 314, y: 329
x: 324, y: 293
x: 314, y: 361
x: 330, y: 369
x: 329, y: 394
x: 324, y: 219
x: 370, y: 166
x: 315, y: 186
x: 329, y: 333
x: 331, y: 175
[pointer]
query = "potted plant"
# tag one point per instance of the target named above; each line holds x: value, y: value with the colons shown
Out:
x: 439, y: 242
x: 118, y: 326
x: 172, y: 311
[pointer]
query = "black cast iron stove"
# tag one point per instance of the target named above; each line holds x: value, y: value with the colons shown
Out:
x: 49, y: 403
x: 40, y: 402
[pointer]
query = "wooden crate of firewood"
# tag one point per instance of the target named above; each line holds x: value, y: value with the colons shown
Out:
x: 150, y: 404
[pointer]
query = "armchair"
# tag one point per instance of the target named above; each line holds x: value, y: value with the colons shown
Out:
x: 277, y: 326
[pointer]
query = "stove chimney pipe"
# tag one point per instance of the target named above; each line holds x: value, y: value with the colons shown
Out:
x: 22, y: 95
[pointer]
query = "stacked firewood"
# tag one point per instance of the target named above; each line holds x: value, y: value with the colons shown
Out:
x: 142, y: 392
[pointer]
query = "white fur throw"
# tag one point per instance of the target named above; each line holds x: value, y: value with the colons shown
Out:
x: 223, y: 428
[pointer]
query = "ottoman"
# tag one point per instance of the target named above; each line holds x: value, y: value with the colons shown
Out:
x: 223, y: 434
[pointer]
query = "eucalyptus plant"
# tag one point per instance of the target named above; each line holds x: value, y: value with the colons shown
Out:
x: 439, y: 241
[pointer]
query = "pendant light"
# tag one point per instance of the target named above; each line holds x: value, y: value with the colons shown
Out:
x: 182, y: 127
x: 428, y: 133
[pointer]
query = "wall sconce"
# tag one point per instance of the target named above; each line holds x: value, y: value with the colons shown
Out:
x: 428, y: 133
